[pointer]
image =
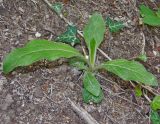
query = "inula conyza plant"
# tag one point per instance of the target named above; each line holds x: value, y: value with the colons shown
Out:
x: 93, y: 35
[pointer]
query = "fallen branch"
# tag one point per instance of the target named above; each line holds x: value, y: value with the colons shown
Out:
x: 83, y: 113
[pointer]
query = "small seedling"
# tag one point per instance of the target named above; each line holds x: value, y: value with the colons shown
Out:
x: 93, y: 35
x: 149, y: 16
x: 155, y: 106
x: 138, y: 91
x: 114, y: 26
x: 69, y: 36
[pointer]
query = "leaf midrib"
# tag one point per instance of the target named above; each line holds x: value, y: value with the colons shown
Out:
x: 46, y: 50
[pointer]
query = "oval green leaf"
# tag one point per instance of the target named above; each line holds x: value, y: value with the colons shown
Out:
x: 152, y: 20
x: 155, y: 118
x: 149, y: 16
x: 130, y: 70
x: 146, y: 11
x: 37, y: 50
x: 95, y: 29
x: 88, y: 97
x: 91, y: 84
x: 94, y: 34
x: 155, y: 104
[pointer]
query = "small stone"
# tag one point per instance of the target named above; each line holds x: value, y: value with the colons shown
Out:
x: 71, y: 85
x: 116, y: 19
x: 38, y: 34
x: 33, y: 29
x: 47, y: 16
x: 21, y: 9
x: 155, y: 53
x: 116, y: 43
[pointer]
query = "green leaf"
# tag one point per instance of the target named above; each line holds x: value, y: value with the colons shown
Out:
x: 155, y: 104
x: 78, y: 63
x: 130, y: 70
x: 142, y: 57
x: 94, y: 34
x: 95, y: 29
x: 88, y: 97
x: 149, y: 16
x: 57, y: 7
x: 114, y: 26
x: 69, y: 36
x: 138, y: 91
x: 146, y: 11
x: 91, y: 84
x: 155, y: 118
x: 151, y: 20
x: 37, y: 50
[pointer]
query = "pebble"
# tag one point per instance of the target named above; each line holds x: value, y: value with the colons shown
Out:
x: 21, y: 9
x: 71, y: 85
x: 38, y: 34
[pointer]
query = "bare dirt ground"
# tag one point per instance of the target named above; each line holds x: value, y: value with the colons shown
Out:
x: 38, y: 94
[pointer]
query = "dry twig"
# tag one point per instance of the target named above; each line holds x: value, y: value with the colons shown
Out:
x: 143, y: 44
x: 83, y: 113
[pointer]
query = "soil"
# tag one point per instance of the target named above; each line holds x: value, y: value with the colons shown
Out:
x: 38, y: 94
